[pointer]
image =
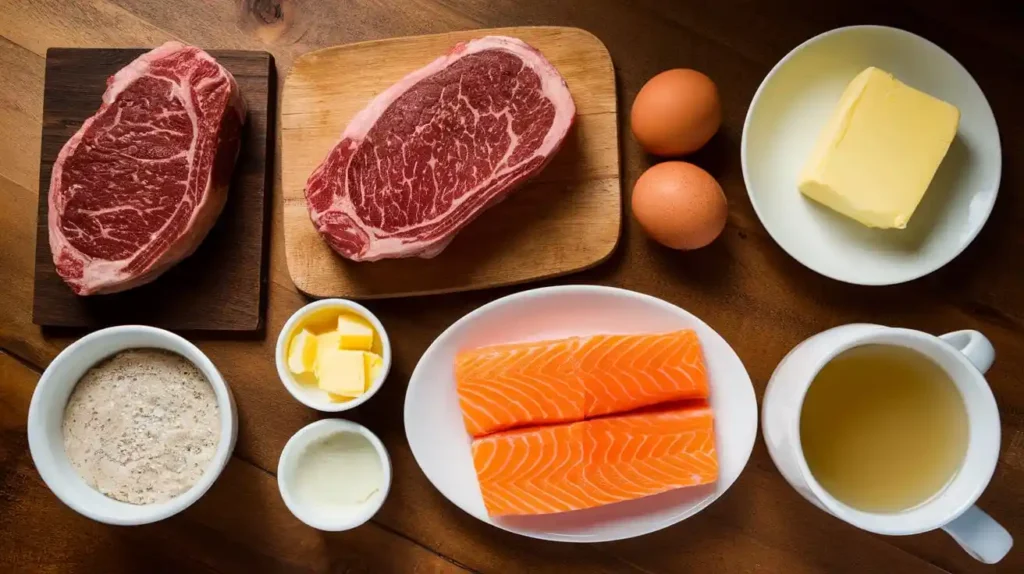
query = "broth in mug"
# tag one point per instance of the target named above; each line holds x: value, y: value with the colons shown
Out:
x: 883, y: 428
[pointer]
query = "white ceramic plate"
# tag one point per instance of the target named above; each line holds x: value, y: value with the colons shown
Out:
x: 441, y: 445
x: 783, y: 123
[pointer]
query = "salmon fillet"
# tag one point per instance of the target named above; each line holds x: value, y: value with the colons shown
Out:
x: 650, y: 451
x: 532, y: 471
x: 514, y: 385
x: 624, y: 372
x: 585, y: 464
x: 507, y: 386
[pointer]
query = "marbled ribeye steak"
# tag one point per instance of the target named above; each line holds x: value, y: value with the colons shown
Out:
x: 433, y: 151
x: 139, y: 186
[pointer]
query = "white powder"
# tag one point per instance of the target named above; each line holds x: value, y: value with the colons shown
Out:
x: 142, y: 426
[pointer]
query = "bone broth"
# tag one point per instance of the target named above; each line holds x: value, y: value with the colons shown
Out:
x: 883, y: 428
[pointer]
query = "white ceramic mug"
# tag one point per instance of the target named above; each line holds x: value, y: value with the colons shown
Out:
x: 965, y: 356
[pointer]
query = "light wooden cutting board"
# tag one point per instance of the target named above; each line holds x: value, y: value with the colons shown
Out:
x: 567, y: 219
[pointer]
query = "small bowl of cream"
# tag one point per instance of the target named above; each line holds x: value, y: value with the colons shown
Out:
x: 334, y: 474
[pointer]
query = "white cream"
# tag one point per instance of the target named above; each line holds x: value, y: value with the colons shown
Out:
x: 339, y: 470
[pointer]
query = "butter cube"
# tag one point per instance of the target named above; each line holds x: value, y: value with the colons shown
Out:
x: 880, y: 150
x: 302, y: 352
x: 326, y: 342
x: 342, y: 372
x: 374, y: 363
x: 356, y: 332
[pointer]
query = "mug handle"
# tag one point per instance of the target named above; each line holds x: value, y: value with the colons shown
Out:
x: 976, y: 532
x: 980, y: 535
x: 975, y: 346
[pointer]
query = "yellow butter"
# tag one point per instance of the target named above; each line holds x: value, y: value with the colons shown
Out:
x: 302, y: 352
x: 373, y: 364
x: 342, y: 372
x: 356, y: 333
x: 880, y: 150
x: 326, y: 342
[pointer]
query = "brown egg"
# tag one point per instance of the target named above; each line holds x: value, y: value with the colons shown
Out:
x: 676, y: 112
x: 679, y: 205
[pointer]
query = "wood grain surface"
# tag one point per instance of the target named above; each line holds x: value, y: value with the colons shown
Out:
x: 221, y: 286
x: 744, y: 286
x: 566, y: 219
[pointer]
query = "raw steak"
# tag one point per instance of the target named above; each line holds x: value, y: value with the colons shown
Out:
x: 138, y: 187
x: 433, y: 151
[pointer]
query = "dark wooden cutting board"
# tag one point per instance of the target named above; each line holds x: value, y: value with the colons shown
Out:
x: 222, y: 286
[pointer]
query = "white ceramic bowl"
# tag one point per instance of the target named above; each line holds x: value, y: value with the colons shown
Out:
x: 787, y: 115
x: 322, y: 517
x: 46, y: 414
x: 441, y: 445
x: 307, y: 393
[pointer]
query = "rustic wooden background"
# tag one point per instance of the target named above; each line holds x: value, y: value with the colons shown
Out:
x: 761, y: 300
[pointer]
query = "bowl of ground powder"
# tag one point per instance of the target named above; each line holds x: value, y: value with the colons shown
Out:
x: 131, y: 424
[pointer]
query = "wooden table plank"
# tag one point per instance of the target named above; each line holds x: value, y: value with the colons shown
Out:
x: 17, y: 261
x: 20, y: 113
x: 24, y: 69
x: 41, y: 24
x: 744, y: 286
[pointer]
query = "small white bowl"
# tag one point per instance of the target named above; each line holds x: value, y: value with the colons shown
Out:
x: 46, y: 415
x: 317, y: 516
x: 310, y: 395
x: 783, y: 123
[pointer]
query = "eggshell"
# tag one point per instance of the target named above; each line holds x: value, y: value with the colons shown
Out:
x: 679, y: 205
x: 676, y: 112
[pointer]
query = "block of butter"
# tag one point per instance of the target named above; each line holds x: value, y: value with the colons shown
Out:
x: 342, y: 372
x: 356, y: 333
x: 326, y: 342
x: 879, y: 151
x: 302, y: 352
x: 374, y: 363
x: 339, y: 374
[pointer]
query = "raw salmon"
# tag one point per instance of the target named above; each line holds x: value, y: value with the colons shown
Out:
x: 507, y: 386
x: 585, y: 464
x: 625, y: 372
x: 520, y: 384
x: 650, y: 451
x: 532, y: 471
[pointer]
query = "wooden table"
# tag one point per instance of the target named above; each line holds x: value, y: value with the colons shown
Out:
x: 759, y: 298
